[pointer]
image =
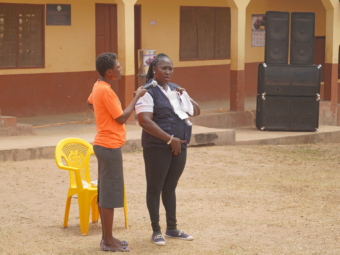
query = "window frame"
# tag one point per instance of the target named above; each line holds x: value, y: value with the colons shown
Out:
x: 215, y: 35
x: 43, y: 38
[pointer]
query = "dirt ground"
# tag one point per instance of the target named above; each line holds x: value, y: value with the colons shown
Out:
x: 232, y: 199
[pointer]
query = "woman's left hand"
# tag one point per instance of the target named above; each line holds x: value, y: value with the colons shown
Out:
x: 180, y: 90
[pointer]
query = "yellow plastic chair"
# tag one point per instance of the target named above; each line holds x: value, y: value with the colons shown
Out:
x: 76, y: 153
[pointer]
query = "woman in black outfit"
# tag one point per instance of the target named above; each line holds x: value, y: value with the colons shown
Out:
x: 164, y: 139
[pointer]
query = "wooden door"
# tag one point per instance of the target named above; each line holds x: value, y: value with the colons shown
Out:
x: 138, y: 39
x: 106, y: 32
x: 339, y: 68
x: 320, y: 54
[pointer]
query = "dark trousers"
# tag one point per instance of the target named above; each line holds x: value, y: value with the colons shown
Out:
x: 163, y: 170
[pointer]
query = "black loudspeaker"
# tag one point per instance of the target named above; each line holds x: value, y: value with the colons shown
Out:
x: 277, y: 113
x: 277, y: 37
x: 289, y: 80
x: 302, y: 38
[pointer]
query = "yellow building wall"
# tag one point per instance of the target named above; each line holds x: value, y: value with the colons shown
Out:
x: 67, y: 48
x: 165, y: 36
x: 72, y: 48
x: 256, y: 54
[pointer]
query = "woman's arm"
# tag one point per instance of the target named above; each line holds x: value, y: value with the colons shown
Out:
x: 90, y: 105
x: 128, y: 110
x: 145, y: 120
x: 197, y: 109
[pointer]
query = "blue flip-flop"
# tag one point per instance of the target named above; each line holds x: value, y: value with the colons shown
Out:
x: 122, y: 243
x: 103, y: 247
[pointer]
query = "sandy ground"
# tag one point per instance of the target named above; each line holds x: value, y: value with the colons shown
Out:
x: 232, y: 199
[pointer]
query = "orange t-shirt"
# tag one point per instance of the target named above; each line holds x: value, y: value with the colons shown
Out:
x: 107, y: 108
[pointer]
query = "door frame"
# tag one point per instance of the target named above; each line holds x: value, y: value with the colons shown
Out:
x: 138, y: 37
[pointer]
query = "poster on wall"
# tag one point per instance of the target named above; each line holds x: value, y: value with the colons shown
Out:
x: 258, y: 31
x: 147, y: 59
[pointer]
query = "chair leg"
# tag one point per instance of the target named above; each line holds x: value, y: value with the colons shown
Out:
x: 84, y: 214
x: 125, y: 210
x: 95, y: 212
x: 67, y: 211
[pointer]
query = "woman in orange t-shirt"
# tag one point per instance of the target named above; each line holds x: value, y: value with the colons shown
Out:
x: 111, y: 136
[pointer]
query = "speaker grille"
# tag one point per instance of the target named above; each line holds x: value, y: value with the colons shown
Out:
x: 277, y: 36
x: 305, y: 80
x: 302, y: 39
x: 302, y: 30
x: 304, y: 113
x: 302, y: 53
x: 287, y: 113
x: 278, y: 30
x: 289, y: 80
x: 277, y: 52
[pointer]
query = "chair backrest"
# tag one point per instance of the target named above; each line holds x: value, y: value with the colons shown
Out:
x: 76, y: 153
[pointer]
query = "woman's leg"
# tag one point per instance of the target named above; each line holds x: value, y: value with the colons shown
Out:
x: 106, y: 163
x: 168, y: 193
x: 157, y: 163
x: 98, y: 189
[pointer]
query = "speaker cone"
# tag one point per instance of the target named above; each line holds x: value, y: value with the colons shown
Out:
x: 303, y: 31
x: 277, y: 51
x: 277, y: 30
x: 302, y: 52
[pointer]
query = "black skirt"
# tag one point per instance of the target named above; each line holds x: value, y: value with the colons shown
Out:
x: 110, y: 177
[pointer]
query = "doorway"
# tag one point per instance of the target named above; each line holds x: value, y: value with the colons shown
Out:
x: 320, y: 54
x: 138, y: 39
x: 106, y: 32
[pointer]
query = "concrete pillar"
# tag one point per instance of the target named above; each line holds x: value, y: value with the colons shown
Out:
x: 126, y: 49
x: 332, y: 53
x: 238, y: 10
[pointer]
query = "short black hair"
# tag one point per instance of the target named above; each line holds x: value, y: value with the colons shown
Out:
x: 149, y: 75
x: 105, y: 61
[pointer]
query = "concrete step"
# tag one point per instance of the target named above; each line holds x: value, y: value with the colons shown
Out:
x: 10, y: 127
x: 8, y: 131
x: 24, y: 129
x: 8, y: 121
x: 225, y: 120
x: 43, y: 146
x: 253, y: 136
x: 19, y: 129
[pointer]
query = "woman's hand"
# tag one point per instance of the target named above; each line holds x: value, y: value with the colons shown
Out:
x: 128, y: 110
x: 140, y: 92
x: 90, y: 105
x: 176, y: 146
x: 180, y: 90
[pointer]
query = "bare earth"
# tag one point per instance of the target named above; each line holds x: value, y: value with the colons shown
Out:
x: 232, y: 199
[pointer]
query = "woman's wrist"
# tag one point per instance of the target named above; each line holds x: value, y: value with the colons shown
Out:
x: 170, y: 140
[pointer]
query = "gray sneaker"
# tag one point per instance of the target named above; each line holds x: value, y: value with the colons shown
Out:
x: 158, y: 239
x: 180, y: 235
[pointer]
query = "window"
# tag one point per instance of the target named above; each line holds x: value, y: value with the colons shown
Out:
x: 21, y: 36
x: 204, y: 33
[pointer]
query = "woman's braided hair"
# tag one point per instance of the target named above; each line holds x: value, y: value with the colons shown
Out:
x: 149, y: 75
x: 105, y: 61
